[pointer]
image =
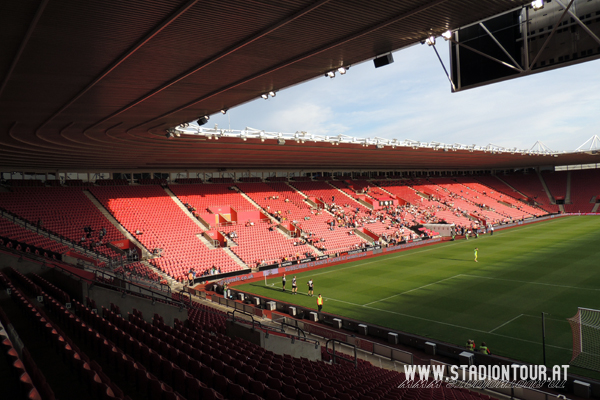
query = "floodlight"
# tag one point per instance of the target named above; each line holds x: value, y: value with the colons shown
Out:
x: 272, y: 93
x: 342, y: 70
x: 537, y: 5
x: 224, y: 111
x: 430, y: 40
x: 330, y: 74
x: 264, y: 96
x: 169, y: 135
x: 203, y: 120
x: 447, y: 35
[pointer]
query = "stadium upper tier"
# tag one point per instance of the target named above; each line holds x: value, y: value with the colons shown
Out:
x: 238, y: 225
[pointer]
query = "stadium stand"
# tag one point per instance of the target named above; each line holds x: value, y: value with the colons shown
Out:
x: 10, y: 230
x: 207, y: 196
x: 556, y: 181
x: 64, y: 211
x: 193, y: 359
x: 585, y: 191
x: 527, y: 183
x: 335, y: 237
x: 141, y: 270
x: 163, y: 225
x: 479, y: 203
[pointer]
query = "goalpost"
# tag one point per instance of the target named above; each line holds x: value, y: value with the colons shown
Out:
x: 586, y: 338
x: 266, y: 284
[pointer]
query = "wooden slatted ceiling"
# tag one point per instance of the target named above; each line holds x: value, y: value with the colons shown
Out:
x: 98, y: 81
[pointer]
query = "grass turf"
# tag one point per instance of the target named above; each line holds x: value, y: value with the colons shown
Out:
x: 441, y: 293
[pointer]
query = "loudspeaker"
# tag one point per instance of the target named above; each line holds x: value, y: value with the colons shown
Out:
x: 383, y: 60
x: 202, y: 120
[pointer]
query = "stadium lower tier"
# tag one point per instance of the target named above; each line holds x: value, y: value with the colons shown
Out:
x: 226, y: 227
x: 112, y: 353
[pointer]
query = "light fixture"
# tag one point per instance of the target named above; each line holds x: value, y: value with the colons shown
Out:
x: 209, y: 137
x: 262, y: 139
x: 281, y: 142
x: 169, y: 135
x: 203, y: 120
x: 224, y: 111
x: 264, y: 96
x: 244, y: 138
x: 447, y: 35
x: 430, y: 41
x: 272, y: 93
x: 330, y: 74
x: 537, y: 5
x: 342, y: 70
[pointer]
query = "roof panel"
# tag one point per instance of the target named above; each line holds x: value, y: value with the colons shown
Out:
x: 98, y: 81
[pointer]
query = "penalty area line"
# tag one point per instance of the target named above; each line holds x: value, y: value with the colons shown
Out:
x: 506, y: 323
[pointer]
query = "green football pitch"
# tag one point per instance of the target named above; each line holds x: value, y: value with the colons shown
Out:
x: 440, y: 292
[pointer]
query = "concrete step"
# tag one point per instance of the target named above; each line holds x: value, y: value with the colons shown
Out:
x: 362, y: 202
x: 145, y: 252
x: 185, y: 210
x: 235, y: 258
x: 550, y: 197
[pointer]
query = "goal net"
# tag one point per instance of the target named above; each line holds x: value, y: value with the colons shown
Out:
x: 586, y: 339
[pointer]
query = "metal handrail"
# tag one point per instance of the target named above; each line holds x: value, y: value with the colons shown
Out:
x: 245, y: 313
x: 300, y: 330
x: 355, y: 361
x: 189, y: 294
x: 268, y: 329
x: 52, y: 235
x: 130, y: 279
x: 140, y: 289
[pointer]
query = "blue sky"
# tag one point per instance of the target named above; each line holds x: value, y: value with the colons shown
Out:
x: 411, y: 99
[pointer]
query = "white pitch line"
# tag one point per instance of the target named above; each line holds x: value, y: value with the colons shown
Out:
x: 447, y: 324
x: 531, y: 283
x: 506, y: 323
x: 411, y: 290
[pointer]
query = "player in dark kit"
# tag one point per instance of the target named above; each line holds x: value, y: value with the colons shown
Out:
x: 310, y: 287
x: 294, y: 286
